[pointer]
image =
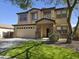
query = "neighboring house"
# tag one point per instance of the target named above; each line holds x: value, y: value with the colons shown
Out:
x: 37, y: 23
x: 6, y: 31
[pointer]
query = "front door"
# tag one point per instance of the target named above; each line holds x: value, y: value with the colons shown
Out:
x: 47, y: 32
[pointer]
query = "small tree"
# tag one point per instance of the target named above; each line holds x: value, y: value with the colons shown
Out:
x: 54, y: 36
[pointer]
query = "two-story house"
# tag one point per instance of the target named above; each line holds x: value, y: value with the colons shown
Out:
x: 37, y: 23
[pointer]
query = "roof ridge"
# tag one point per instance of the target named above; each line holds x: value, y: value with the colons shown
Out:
x: 42, y: 9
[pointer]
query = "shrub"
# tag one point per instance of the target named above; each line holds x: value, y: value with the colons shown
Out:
x: 43, y: 51
x: 53, y: 36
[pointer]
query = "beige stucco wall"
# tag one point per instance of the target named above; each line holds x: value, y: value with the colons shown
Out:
x: 40, y: 15
x: 53, y: 14
x: 29, y: 18
x: 61, y: 21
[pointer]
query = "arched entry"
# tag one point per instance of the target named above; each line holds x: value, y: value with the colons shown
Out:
x: 43, y: 27
x: 47, y: 32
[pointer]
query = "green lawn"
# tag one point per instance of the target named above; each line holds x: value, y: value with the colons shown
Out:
x: 43, y: 51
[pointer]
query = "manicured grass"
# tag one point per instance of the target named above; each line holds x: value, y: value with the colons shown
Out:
x: 43, y: 51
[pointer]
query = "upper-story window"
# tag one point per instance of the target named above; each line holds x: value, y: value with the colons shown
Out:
x: 61, y: 13
x: 34, y: 15
x: 23, y: 17
x: 47, y: 14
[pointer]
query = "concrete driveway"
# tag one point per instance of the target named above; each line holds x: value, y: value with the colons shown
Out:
x: 7, y: 43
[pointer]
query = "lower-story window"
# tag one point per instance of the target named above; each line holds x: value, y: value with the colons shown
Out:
x: 62, y: 29
x: 25, y: 27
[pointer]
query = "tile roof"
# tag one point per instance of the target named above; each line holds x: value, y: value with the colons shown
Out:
x: 6, y: 26
x: 45, y: 19
x: 41, y: 9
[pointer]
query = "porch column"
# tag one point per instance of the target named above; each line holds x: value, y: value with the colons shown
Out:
x: 42, y: 31
x: 38, y: 30
x: 54, y: 27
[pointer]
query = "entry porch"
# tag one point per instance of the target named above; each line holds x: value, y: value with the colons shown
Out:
x: 44, y: 27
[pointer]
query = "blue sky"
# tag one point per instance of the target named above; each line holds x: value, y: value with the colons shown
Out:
x: 8, y: 12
